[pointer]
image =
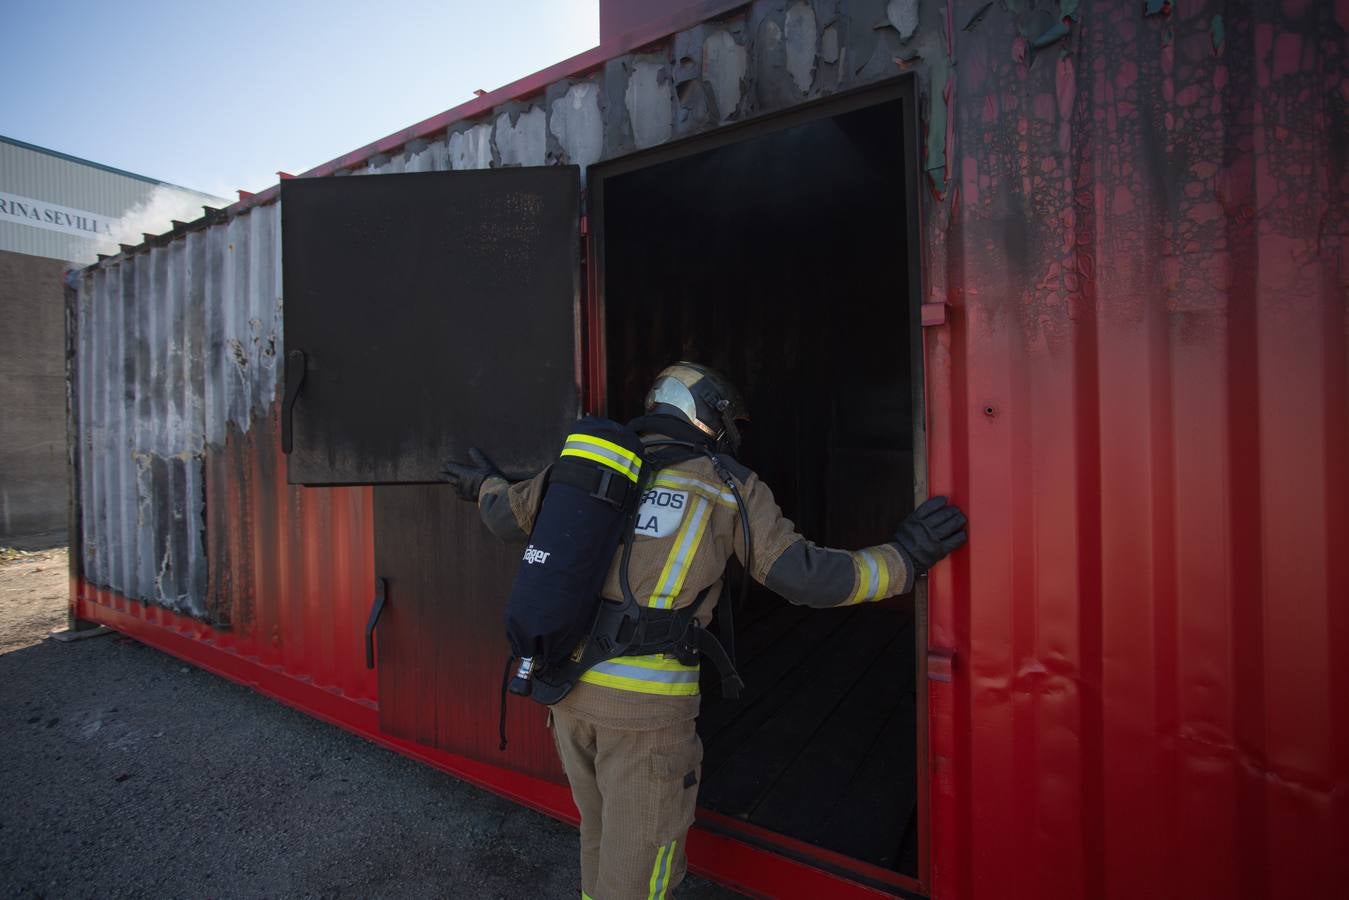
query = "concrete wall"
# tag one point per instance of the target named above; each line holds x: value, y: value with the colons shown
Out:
x: 32, y: 398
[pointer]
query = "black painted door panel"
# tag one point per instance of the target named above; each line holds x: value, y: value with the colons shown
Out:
x: 434, y: 312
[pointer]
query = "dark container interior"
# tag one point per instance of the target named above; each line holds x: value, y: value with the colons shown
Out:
x: 780, y: 259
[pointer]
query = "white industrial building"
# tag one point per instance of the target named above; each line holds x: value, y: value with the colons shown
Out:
x: 57, y: 212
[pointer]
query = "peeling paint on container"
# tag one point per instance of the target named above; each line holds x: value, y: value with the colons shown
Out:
x: 471, y: 149
x: 903, y: 17
x: 429, y: 157
x: 523, y: 142
x: 724, y: 64
x: 578, y: 126
x: 800, y: 36
x: 829, y: 51
x: 650, y: 102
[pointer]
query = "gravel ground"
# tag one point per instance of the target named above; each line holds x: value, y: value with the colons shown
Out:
x: 33, y: 590
x: 129, y: 774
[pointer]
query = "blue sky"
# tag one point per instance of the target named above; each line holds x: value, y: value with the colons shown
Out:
x: 220, y: 95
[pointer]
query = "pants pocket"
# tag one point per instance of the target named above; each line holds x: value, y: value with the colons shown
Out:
x: 676, y: 772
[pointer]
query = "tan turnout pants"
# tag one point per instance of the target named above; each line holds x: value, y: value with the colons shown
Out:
x: 636, y: 791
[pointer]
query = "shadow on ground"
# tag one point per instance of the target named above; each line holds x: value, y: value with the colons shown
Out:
x: 129, y: 774
x: 45, y: 540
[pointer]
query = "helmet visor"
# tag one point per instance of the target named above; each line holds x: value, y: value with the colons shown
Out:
x: 669, y: 390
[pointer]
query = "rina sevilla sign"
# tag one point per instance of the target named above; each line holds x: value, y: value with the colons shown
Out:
x: 39, y: 214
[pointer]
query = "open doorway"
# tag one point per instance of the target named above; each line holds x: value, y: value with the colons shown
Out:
x: 779, y: 254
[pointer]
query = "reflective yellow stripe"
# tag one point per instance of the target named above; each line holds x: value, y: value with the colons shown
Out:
x: 655, y: 873
x: 654, y: 674
x: 871, y: 575
x: 884, y: 590
x: 602, y: 444
x: 686, y: 543
x: 640, y: 687
x: 669, y: 865
x: 660, y: 872
x: 698, y: 486
x: 629, y: 473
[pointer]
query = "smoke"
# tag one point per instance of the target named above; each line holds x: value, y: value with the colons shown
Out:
x: 155, y: 215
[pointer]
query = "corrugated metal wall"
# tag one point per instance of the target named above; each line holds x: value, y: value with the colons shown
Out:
x: 182, y: 488
x: 1140, y: 395
x: 167, y: 366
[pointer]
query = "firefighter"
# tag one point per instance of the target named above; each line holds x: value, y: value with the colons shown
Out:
x: 626, y: 732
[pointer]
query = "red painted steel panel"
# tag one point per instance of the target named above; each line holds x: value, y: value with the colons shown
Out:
x: 1141, y: 399
x: 291, y: 570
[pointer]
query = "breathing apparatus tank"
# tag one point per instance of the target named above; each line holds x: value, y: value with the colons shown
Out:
x: 591, y: 495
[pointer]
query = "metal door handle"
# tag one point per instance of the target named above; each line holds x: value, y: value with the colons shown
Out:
x: 295, y: 369
x: 381, y: 590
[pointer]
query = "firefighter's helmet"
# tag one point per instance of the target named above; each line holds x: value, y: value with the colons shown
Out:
x: 704, y: 398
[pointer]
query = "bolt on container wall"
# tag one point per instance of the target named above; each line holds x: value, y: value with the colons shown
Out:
x: 1133, y: 242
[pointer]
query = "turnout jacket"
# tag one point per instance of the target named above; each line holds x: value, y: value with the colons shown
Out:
x: 688, y: 526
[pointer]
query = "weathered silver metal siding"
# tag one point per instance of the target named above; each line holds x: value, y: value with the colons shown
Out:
x: 175, y: 345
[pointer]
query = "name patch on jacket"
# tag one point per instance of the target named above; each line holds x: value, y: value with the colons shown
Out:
x: 661, y: 512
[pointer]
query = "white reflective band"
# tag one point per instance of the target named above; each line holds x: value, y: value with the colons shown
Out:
x: 653, y: 674
x: 686, y: 543
x: 707, y: 489
x: 873, y: 574
x: 661, y: 676
x: 873, y: 578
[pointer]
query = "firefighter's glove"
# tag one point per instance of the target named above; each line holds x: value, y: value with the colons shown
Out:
x: 467, y: 480
x: 931, y: 532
